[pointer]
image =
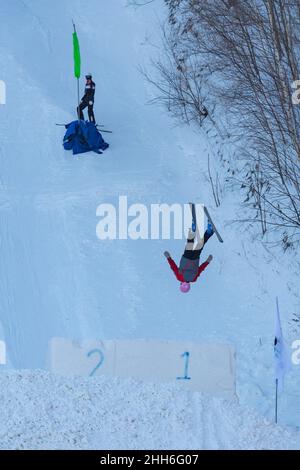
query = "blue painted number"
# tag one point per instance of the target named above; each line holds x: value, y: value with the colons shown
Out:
x: 186, y: 356
x: 99, y: 363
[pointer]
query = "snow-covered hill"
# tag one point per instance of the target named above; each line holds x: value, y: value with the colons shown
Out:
x: 48, y: 411
x: 56, y: 277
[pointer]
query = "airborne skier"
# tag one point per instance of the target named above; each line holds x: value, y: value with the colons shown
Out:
x: 189, y: 269
x: 88, y: 99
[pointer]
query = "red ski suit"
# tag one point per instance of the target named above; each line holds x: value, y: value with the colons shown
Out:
x: 180, y: 276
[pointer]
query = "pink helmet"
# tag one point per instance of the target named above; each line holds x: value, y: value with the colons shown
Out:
x: 185, y: 287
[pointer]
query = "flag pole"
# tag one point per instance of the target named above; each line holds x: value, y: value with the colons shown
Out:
x: 276, y: 401
x: 78, y: 99
x: 276, y: 381
x: 277, y: 305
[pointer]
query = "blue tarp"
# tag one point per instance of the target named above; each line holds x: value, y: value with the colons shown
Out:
x: 83, y: 136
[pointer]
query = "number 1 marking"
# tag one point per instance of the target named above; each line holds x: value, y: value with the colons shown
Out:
x: 186, y: 366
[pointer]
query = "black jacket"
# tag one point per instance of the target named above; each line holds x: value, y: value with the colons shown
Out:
x: 89, y: 92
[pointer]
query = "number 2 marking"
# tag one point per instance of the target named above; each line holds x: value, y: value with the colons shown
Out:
x: 185, y: 355
x: 100, y: 362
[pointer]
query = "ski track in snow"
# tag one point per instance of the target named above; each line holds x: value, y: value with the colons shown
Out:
x: 48, y: 411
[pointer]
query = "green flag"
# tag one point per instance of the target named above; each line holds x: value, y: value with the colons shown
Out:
x: 76, y: 50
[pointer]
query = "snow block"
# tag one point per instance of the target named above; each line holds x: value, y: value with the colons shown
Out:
x: 2, y: 92
x: 205, y: 367
x: 68, y: 357
x: 2, y: 352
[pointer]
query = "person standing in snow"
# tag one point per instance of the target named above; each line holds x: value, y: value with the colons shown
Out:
x: 189, y: 269
x: 88, y: 99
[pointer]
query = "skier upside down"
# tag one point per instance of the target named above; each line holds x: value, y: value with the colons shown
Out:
x: 189, y: 269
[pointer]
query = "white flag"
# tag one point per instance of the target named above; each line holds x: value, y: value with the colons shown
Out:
x: 282, y: 360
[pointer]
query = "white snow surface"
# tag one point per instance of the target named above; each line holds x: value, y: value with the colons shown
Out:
x: 58, y: 279
x: 47, y: 411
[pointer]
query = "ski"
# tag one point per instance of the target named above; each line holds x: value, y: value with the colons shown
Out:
x: 103, y: 130
x: 213, y: 225
x: 98, y: 126
x: 194, y: 220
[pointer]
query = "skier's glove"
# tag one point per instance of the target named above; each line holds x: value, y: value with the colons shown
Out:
x: 167, y: 254
x: 90, y: 103
x: 209, y: 259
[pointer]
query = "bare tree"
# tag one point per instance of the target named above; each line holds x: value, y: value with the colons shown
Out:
x: 231, y: 63
x: 214, y: 183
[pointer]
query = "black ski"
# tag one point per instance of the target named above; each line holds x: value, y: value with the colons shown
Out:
x: 98, y: 127
x: 213, y: 225
x: 194, y: 218
x: 194, y: 221
x: 103, y: 130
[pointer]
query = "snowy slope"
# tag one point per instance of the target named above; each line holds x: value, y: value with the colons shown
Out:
x: 47, y: 411
x: 56, y: 277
